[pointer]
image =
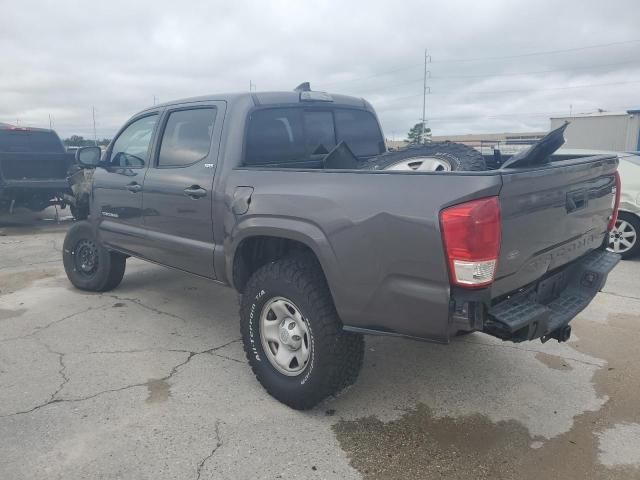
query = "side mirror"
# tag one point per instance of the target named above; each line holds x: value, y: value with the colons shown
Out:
x: 88, y: 157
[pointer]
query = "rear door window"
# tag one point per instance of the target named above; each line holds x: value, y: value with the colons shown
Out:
x: 187, y: 137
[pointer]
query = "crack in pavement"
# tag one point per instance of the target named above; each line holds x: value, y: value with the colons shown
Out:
x: 143, y: 305
x: 218, y: 444
x: 146, y: 350
x: 157, y: 349
x: 62, y: 371
x: 227, y: 358
x: 172, y: 372
x: 39, y: 329
x: 54, y: 398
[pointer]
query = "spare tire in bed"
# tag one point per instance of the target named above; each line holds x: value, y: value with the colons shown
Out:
x: 430, y: 157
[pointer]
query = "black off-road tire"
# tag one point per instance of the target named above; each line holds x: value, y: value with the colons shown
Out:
x: 109, y: 266
x: 335, y: 356
x: 460, y: 157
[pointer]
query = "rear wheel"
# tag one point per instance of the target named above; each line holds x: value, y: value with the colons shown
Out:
x: 432, y: 157
x: 293, y: 337
x: 87, y: 263
x: 623, y: 239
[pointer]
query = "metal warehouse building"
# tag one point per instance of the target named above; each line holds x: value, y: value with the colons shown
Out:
x: 618, y: 131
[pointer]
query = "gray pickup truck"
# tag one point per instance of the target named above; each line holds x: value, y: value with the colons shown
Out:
x: 281, y: 196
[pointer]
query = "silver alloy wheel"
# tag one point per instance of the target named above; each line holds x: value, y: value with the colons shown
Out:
x: 623, y: 237
x: 285, y: 336
x: 421, y: 164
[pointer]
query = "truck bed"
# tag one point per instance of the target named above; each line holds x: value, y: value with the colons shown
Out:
x: 378, y: 237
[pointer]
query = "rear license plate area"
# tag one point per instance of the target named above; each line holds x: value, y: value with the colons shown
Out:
x: 551, y: 287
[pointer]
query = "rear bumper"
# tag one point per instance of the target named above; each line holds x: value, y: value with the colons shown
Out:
x: 544, y: 309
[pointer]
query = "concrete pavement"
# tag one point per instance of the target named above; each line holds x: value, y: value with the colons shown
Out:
x: 150, y: 381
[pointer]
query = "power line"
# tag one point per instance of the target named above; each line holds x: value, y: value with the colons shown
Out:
x: 380, y: 74
x: 464, y: 60
x: 499, y: 92
x: 545, y: 52
x: 537, y: 72
x: 512, y: 74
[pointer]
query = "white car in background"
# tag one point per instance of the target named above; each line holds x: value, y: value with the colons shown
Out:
x: 624, y: 237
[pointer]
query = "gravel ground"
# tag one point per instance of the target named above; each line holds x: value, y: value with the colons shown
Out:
x: 150, y: 382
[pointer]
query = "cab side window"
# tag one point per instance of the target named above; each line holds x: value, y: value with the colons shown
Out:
x: 187, y: 137
x: 131, y: 148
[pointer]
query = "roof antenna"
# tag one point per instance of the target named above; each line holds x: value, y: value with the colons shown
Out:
x: 303, y: 87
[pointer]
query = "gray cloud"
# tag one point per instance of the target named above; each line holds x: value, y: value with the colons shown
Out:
x: 61, y: 58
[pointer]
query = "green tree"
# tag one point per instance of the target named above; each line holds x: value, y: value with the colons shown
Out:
x: 80, y: 141
x: 415, y: 134
x: 74, y: 141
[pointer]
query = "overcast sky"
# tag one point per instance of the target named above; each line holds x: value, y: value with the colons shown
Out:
x: 61, y: 58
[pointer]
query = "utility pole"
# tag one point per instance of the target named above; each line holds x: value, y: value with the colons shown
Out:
x: 424, y: 96
x: 252, y: 86
x: 155, y: 100
x: 50, y: 123
x: 95, y: 137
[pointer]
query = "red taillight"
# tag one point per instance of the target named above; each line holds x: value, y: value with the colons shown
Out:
x: 615, y: 203
x: 471, y: 236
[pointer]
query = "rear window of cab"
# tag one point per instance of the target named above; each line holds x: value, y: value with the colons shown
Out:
x: 297, y: 134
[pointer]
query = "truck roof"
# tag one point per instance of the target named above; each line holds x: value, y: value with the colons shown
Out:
x: 272, y: 98
x: 8, y: 126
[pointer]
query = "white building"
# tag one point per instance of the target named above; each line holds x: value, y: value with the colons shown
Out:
x: 619, y: 131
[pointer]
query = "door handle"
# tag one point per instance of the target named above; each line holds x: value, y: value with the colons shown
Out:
x: 195, y: 191
x: 134, y: 187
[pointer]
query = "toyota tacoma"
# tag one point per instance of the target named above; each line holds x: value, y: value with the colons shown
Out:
x: 291, y: 199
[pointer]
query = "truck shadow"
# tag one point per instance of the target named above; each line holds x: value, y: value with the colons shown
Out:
x: 25, y: 222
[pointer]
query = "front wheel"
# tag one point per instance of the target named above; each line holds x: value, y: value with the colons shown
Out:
x: 293, y: 337
x: 623, y: 239
x: 87, y: 263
